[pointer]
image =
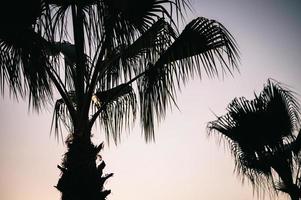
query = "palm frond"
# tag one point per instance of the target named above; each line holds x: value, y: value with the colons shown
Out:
x: 125, y: 21
x: 267, y: 120
x: 105, y: 97
x: 156, y: 94
x: 59, y: 19
x: 203, y: 41
x: 260, y: 133
x: 23, y: 53
x: 283, y: 104
x: 131, y: 60
x: 69, y: 52
x: 117, y: 109
x: 158, y: 37
x: 142, y: 14
x: 61, y: 116
x: 23, y: 63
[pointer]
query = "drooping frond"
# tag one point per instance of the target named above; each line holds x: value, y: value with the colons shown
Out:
x: 264, y: 121
x: 152, y: 39
x: 23, y: 62
x: 237, y: 129
x: 117, y: 109
x: 59, y: 14
x: 129, y: 61
x: 283, y: 104
x: 202, y: 44
x: 23, y: 54
x: 61, y: 116
x: 156, y: 94
x: 125, y: 21
x: 116, y: 22
x: 69, y: 52
x: 260, y: 133
x: 105, y: 97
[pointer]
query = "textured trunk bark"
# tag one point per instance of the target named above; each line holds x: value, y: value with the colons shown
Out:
x: 81, y: 177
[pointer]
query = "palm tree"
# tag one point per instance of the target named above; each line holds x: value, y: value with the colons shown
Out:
x: 261, y: 137
x: 107, y: 60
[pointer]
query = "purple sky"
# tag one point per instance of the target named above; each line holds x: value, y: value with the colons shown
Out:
x: 183, y: 163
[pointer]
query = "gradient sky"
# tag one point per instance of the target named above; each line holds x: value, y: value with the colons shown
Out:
x: 183, y: 163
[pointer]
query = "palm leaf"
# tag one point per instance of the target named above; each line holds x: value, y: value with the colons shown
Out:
x: 23, y: 51
x: 131, y: 60
x: 205, y: 40
x: 69, y: 52
x: 105, y: 97
x: 61, y: 116
x: 283, y: 104
x: 142, y: 14
x: 152, y: 38
x: 264, y: 121
x: 23, y: 63
x: 260, y: 133
x: 126, y: 20
x: 156, y: 94
x: 117, y: 109
x: 201, y: 43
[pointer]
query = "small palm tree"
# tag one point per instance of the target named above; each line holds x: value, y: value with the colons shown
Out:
x: 107, y: 60
x: 261, y: 137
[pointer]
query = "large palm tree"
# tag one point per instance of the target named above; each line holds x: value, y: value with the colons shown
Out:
x: 261, y: 136
x: 108, y: 60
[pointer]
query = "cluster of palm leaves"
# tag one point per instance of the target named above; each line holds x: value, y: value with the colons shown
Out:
x: 108, y: 60
x: 261, y: 134
x: 125, y: 55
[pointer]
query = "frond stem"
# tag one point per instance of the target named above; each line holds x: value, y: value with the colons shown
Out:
x: 94, y: 117
x: 91, y: 86
x: 78, y: 31
x: 62, y: 90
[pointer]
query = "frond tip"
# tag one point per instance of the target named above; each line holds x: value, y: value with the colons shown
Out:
x: 206, y: 42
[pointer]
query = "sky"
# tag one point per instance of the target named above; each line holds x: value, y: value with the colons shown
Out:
x: 183, y: 163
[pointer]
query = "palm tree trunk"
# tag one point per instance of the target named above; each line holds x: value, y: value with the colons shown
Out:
x: 283, y: 170
x: 81, y: 177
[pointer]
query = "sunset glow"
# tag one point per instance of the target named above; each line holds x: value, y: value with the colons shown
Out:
x: 183, y: 162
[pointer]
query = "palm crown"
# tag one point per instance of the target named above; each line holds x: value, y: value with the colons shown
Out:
x: 127, y: 55
x: 261, y: 136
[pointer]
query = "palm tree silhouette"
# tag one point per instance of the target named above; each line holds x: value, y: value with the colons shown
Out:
x: 261, y: 137
x: 107, y: 60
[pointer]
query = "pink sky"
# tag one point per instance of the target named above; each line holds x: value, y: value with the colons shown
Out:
x: 183, y: 163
